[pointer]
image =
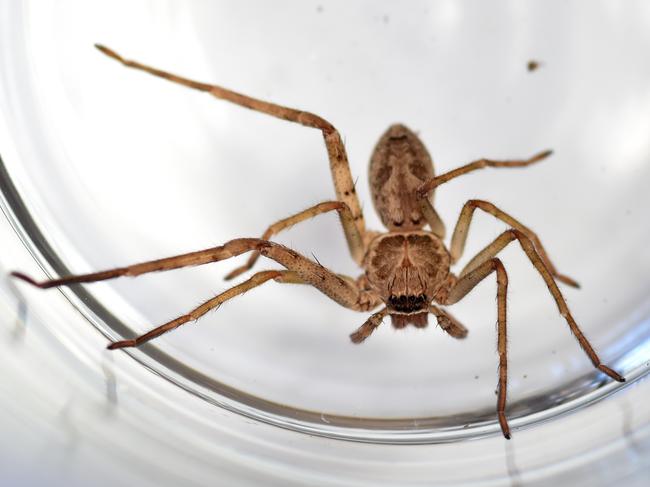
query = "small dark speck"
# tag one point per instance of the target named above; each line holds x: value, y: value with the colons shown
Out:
x: 525, y: 376
x: 319, y: 9
x: 532, y: 65
x: 465, y: 426
x: 385, y: 19
x: 476, y: 377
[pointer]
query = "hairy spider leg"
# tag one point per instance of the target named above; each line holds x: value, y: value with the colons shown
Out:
x: 338, y: 159
x: 256, y: 280
x: 356, y: 243
x: 436, y: 224
x: 430, y: 185
x: 462, y: 287
x: 462, y: 228
x: 342, y: 289
x: 532, y: 251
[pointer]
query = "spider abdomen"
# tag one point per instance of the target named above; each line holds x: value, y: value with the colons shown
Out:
x: 399, y: 165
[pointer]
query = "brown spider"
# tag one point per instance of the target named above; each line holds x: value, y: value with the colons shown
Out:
x: 406, y: 268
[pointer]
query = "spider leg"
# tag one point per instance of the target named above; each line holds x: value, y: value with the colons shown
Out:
x: 462, y: 227
x: 535, y: 258
x: 431, y: 216
x: 344, y: 291
x: 427, y: 187
x: 196, y: 313
x: 448, y: 323
x: 462, y: 287
x: 355, y: 243
x: 339, y: 166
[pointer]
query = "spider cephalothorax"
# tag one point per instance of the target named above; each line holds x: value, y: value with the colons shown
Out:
x: 407, y: 268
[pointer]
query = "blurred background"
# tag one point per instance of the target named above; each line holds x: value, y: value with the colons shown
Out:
x: 104, y: 166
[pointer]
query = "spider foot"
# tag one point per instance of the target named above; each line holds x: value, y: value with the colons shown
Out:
x: 503, y: 422
x: 121, y: 344
x: 568, y: 281
x: 613, y: 374
x: 28, y: 280
x: 236, y: 272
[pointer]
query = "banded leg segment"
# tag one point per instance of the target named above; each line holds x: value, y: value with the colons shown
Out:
x: 430, y: 214
x: 432, y: 184
x: 344, y: 291
x: 231, y: 249
x: 355, y: 243
x: 459, y: 291
x: 462, y: 228
x: 534, y: 257
x: 196, y: 313
x: 339, y: 166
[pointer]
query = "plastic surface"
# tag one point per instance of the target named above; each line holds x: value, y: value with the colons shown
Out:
x: 105, y: 166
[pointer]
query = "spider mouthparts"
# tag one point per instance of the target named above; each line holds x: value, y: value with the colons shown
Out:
x: 358, y: 337
x: 407, y: 304
x: 419, y: 320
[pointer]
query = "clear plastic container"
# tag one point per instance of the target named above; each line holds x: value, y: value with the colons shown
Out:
x: 104, y: 166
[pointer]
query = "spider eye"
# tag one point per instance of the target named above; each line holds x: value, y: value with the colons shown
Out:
x: 408, y: 303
